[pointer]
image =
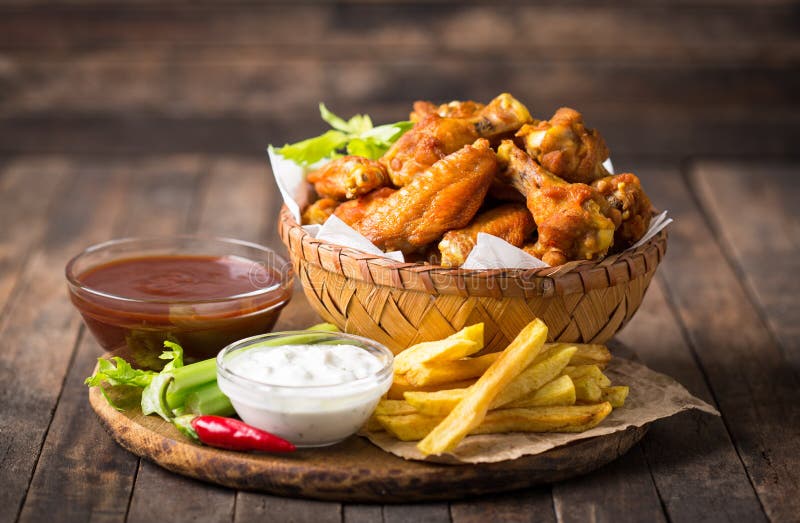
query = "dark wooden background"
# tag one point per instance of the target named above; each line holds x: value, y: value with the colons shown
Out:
x: 657, y: 77
x: 133, y: 117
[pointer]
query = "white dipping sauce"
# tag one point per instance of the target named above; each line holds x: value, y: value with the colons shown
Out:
x: 311, y: 395
x: 295, y: 365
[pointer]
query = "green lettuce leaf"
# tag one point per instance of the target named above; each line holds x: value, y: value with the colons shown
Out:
x: 355, y: 136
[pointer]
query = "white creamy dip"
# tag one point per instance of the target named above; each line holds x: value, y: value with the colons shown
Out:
x: 312, y: 395
x: 297, y: 365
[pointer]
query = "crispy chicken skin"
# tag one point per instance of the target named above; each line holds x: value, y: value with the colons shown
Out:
x: 348, y: 177
x: 512, y: 222
x: 504, y: 114
x: 565, y: 147
x: 624, y: 193
x: 352, y: 211
x: 571, y: 218
x: 444, y: 197
x: 319, y: 211
x: 430, y: 140
x: 442, y: 130
x: 454, y: 109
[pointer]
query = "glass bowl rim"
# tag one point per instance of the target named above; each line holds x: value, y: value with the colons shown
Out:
x: 372, y: 379
x: 73, y: 281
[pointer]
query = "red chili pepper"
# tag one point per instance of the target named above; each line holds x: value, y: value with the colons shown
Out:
x: 232, y: 434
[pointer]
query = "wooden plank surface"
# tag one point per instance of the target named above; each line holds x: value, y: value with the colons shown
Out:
x: 39, y: 329
x: 741, y: 199
x: 697, y: 477
x: 731, y: 470
x: 132, y: 76
x: 748, y: 374
x: 672, y: 31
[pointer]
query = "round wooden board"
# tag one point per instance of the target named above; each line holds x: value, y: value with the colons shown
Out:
x: 354, y: 470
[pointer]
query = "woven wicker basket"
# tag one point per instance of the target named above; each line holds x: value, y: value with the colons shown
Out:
x: 400, y: 304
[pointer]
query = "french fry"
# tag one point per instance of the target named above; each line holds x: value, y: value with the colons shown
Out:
x: 588, y: 354
x: 448, y: 371
x: 468, y: 340
x: 400, y: 386
x: 394, y: 408
x: 536, y: 375
x: 616, y: 396
x: 559, y: 392
x: 373, y: 425
x: 587, y: 390
x: 578, y: 418
x: 438, y: 403
x: 470, y: 412
x: 592, y: 371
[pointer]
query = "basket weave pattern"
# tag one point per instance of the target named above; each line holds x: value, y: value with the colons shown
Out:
x: 400, y: 304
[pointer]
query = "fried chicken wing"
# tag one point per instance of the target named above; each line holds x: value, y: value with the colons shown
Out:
x: 442, y: 198
x: 423, y: 145
x: 348, y: 177
x: 624, y: 193
x: 565, y: 147
x: 571, y: 218
x: 319, y: 211
x: 353, y: 211
x: 505, y: 114
x: 454, y: 109
x: 512, y: 222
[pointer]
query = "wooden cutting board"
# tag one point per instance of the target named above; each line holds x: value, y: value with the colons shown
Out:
x: 354, y: 470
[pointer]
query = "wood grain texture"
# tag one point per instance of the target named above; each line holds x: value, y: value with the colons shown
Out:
x: 39, y: 329
x: 614, y: 493
x: 130, y: 102
x: 695, y: 468
x: 251, y: 506
x: 741, y: 200
x: 666, y: 31
x: 329, y: 473
x: 748, y: 375
x: 20, y: 198
x: 531, y: 505
x: 98, y: 488
x: 689, y: 78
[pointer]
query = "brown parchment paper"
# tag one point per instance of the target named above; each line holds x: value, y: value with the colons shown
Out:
x: 652, y: 396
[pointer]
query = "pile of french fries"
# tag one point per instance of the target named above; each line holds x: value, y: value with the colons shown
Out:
x: 441, y: 392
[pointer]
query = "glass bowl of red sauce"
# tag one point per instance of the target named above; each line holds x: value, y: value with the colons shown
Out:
x: 203, y: 293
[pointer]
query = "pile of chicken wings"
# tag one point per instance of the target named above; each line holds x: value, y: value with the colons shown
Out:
x: 466, y: 168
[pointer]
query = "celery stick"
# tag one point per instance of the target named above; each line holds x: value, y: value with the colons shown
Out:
x: 208, y: 400
x: 188, y: 378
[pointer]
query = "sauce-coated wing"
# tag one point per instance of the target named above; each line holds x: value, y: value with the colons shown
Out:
x: 625, y: 194
x: 353, y: 211
x: 571, y: 218
x: 319, y: 211
x: 444, y: 197
x: 505, y: 114
x: 423, y: 145
x: 565, y: 147
x: 512, y: 222
x: 348, y: 177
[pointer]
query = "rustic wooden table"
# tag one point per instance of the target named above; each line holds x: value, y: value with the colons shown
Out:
x: 721, y: 317
x: 137, y: 117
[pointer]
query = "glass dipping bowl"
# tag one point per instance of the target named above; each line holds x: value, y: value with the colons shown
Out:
x: 136, y: 327
x: 306, y: 415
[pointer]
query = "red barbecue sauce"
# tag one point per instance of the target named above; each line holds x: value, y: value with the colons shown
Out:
x: 202, y: 302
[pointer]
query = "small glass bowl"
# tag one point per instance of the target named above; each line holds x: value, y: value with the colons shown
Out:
x: 136, y: 328
x: 306, y: 415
